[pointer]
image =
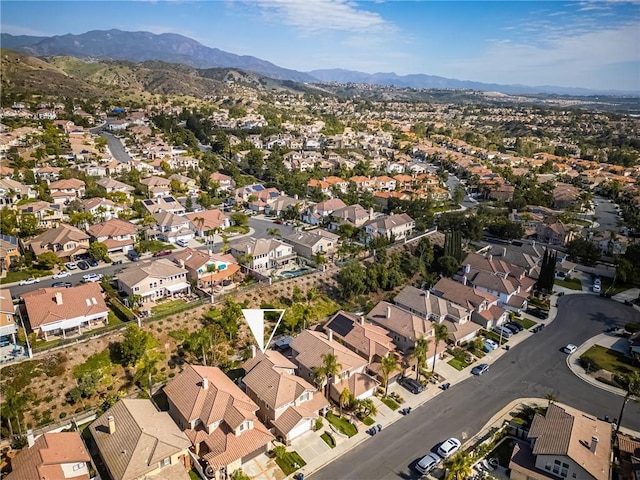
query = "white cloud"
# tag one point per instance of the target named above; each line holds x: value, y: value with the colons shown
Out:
x: 314, y: 16
x: 579, y: 60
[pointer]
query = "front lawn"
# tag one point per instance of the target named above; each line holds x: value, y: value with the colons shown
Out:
x: 573, y: 284
x: 167, y: 306
x: 290, y: 462
x: 598, y: 357
x: 459, y: 360
x: 368, y: 421
x: 458, y: 364
x: 495, y: 336
x: 328, y: 439
x: 390, y: 403
x: 342, y: 425
x: 525, y: 322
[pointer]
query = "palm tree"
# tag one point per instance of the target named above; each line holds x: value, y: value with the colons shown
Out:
x: 345, y: 398
x: 274, y: 232
x: 420, y: 355
x: 631, y: 384
x: 551, y: 398
x: 459, y: 466
x: 146, y: 367
x: 319, y: 377
x: 440, y: 333
x: 331, y: 367
x: 388, y: 366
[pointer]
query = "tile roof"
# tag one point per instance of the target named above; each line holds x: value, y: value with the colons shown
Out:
x: 45, y: 458
x: 310, y: 346
x: 271, y: 377
x: 426, y: 304
x: 363, y: 337
x: 49, y: 305
x: 143, y: 437
x: 112, y: 228
x: 461, y: 294
x: 310, y: 239
x: 158, y: 268
x: 211, y: 219
x: 257, y: 246
x: 358, y: 384
x: 60, y: 235
x: 71, y: 183
x: 399, y: 320
x: 6, y: 303
x: 493, y: 282
x: 568, y: 431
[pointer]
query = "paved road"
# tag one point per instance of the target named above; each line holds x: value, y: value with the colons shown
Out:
x: 606, y: 215
x: 116, y: 148
x: 531, y: 369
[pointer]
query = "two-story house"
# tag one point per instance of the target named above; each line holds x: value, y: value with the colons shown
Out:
x: 207, y: 268
x: 393, y: 227
x: 118, y: 235
x: 218, y: 418
x: 225, y: 182
x: 66, y: 191
x: 56, y: 310
x: 65, y: 241
x: 156, y: 187
x: 263, y: 255
x: 114, y: 186
x: 154, y: 279
x: 310, y: 244
x: 353, y: 215
x: 554, y: 233
x: 9, y: 251
x: 287, y: 402
x: 208, y: 221
x: 564, y: 443
x: 483, y: 306
x: 308, y: 349
x: 53, y: 455
x: 12, y: 191
x: 102, y: 208
x: 170, y: 228
x: 49, y: 215
x: 164, y: 204
x: 137, y: 442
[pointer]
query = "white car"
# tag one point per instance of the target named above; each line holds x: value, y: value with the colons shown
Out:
x: 570, y: 348
x: 92, y: 277
x: 71, y: 265
x: 596, y: 288
x: 29, y: 281
x: 449, y: 447
x: 428, y: 463
x: 62, y: 274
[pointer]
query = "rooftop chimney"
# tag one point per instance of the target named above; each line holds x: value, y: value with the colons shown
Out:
x: 58, y: 298
x: 504, y: 251
x: 253, y: 351
x: 371, y: 213
x: 490, y: 257
x: 388, y: 311
x: 330, y: 335
x: 361, y: 319
x: 112, y: 424
x: 30, y: 438
x: 205, y: 383
x: 594, y: 444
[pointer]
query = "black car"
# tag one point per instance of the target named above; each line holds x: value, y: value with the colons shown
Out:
x: 515, y: 327
x: 412, y: 385
x: 92, y: 262
x: 83, y: 265
x: 61, y: 284
x: 538, y: 313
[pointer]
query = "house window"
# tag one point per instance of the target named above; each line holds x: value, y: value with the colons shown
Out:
x: 165, y: 462
x: 78, y: 466
x: 243, y: 426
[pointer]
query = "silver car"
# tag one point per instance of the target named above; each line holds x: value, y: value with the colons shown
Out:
x: 428, y: 463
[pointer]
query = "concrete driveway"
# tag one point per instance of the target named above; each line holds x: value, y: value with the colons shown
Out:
x: 263, y: 468
x: 309, y: 445
x: 629, y: 295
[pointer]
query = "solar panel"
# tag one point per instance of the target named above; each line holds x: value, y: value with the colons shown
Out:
x: 148, y: 202
x: 341, y: 325
x: 169, y: 199
x: 258, y: 188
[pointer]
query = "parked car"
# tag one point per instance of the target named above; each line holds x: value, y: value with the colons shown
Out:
x: 515, y: 325
x: 92, y: 277
x: 570, y: 348
x: 412, y: 385
x: 538, y: 313
x: 71, y: 265
x: 133, y: 255
x: 596, y: 288
x: 162, y: 253
x: 62, y: 284
x: 449, y: 447
x: 29, y: 281
x: 505, y: 332
x: 480, y: 369
x: 428, y: 463
x: 83, y: 265
x: 92, y: 262
x: 489, y: 345
x: 182, y: 243
x: 62, y: 274
x: 512, y: 328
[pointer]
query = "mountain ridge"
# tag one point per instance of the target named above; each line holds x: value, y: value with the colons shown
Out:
x: 143, y: 46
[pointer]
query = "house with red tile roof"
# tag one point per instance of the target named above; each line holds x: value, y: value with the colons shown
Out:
x: 117, y: 234
x: 52, y: 456
x: 218, y: 418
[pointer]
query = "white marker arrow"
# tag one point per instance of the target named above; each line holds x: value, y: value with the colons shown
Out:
x: 255, y: 320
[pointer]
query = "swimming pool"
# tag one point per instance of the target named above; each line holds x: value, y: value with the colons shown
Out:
x: 294, y: 273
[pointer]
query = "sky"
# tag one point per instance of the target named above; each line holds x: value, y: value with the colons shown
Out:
x: 586, y: 43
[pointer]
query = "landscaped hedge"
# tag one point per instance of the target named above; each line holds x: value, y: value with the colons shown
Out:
x: 121, y: 311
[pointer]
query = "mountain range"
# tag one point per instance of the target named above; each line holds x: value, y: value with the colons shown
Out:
x: 174, y: 48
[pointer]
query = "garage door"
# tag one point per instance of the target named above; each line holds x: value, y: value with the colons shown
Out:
x: 302, y: 427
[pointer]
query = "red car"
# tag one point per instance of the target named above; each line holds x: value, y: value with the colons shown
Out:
x: 162, y: 253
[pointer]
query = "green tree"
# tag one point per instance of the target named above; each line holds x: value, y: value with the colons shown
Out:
x: 388, y: 365
x: 631, y: 384
x: 28, y: 225
x: 80, y: 218
x: 440, y: 334
x: 98, y: 251
x: 448, y: 265
x: 134, y: 344
x: 419, y: 354
x: 346, y: 399
x: 352, y: 280
x: 331, y: 368
x: 8, y: 221
x: 583, y: 251
x: 364, y: 408
x: 458, y: 466
x: 48, y: 260
x: 146, y: 367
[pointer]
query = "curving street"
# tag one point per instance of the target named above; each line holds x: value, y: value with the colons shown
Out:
x: 533, y: 368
